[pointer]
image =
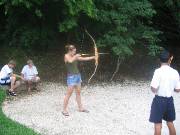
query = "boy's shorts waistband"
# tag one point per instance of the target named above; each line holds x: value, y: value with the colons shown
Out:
x: 163, y: 97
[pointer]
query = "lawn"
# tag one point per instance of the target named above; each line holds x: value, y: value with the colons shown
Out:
x: 9, y: 127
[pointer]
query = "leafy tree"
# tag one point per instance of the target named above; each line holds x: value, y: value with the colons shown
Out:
x: 167, y: 20
x: 121, y: 25
x: 127, y: 24
x: 32, y: 23
x: 72, y: 12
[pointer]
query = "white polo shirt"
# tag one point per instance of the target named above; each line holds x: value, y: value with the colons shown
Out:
x: 29, y: 72
x: 5, y: 72
x: 165, y: 79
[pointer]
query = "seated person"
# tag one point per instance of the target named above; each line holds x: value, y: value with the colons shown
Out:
x: 8, y: 78
x: 30, y: 75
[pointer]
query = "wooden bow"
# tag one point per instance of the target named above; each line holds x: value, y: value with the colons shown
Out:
x: 96, y: 55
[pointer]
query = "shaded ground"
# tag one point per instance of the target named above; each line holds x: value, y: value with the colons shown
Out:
x: 116, y: 109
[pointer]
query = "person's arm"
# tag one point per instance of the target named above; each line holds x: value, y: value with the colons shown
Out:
x: 8, y: 71
x: 35, y: 72
x: 177, y: 90
x: 11, y: 74
x: 177, y: 87
x: 154, y: 90
x: 22, y: 73
x: 22, y: 76
x: 17, y: 76
x: 155, y: 82
x: 86, y: 58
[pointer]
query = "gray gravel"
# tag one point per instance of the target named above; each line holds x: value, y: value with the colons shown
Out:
x: 116, y: 109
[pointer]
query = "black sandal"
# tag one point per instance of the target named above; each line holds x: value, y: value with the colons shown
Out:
x: 12, y: 93
x: 65, y: 114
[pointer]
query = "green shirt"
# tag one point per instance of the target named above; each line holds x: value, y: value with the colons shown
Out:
x: 72, y: 68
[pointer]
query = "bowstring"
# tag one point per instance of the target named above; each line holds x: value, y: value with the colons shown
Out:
x: 81, y: 49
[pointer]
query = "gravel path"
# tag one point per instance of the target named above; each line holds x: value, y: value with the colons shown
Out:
x: 119, y: 109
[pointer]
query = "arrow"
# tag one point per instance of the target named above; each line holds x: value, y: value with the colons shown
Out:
x: 85, y: 54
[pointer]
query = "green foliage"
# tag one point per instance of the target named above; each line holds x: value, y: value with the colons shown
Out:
x: 28, y: 4
x: 120, y: 25
x: 151, y: 36
x: 77, y: 6
x: 9, y: 127
x: 38, y: 13
x: 72, y: 11
x: 167, y: 20
x: 68, y: 24
x: 31, y: 37
x: 125, y: 24
x: 34, y: 22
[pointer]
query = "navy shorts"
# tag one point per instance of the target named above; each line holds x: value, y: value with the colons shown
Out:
x: 162, y: 108
x: 74, y: 79
x: 5, y: 81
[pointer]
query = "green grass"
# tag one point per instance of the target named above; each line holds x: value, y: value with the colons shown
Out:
x: 9, y: 127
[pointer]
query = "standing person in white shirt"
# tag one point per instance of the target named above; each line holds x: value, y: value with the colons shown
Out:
x: 8, y: 78
x: 30, y: 75
x: 164, y: 82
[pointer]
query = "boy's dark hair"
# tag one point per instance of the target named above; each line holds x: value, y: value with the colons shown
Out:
x: 164, y: 56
